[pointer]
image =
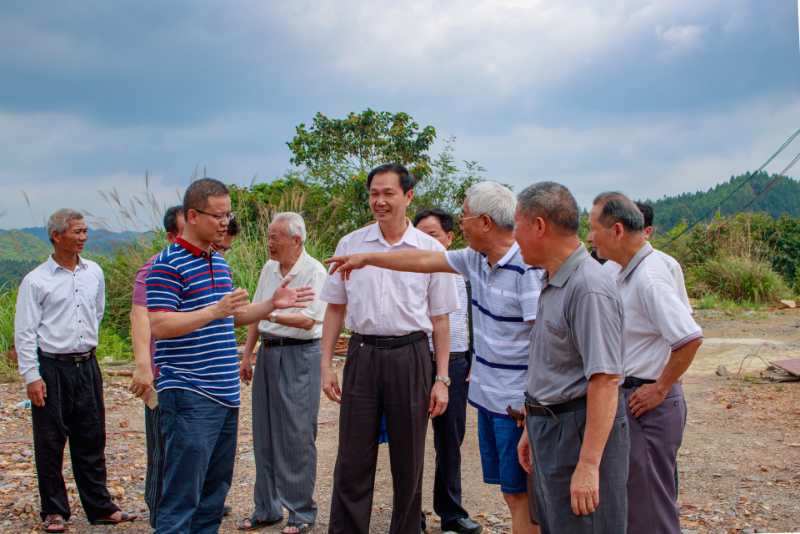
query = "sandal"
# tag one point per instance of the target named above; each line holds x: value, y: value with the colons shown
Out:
x: 248, y: 523
x: 53, y: 523
x: 302, y: 528
x: 124, y: 517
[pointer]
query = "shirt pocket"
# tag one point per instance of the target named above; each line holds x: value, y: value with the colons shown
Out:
x: 412, y: 289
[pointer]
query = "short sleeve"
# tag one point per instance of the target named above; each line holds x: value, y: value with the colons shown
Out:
x: 316, y: 310
x: 529, y: 287
x: 442, y: 294
x: 262, y: 281
x: 670, y: 315
x: 333, y: 290
x: 597, y: 333
x: 139, y: 297
x: 459, y: 260
x: 164, y: 285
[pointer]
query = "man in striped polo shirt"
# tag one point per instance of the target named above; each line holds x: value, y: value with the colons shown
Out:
x: 505, y: 295
x: 193, y: 309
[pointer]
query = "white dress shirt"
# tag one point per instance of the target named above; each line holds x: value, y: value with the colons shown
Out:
x: 382, y: 302
x: 658, y: 317
x: 58, y: 311
x: 305, y: 272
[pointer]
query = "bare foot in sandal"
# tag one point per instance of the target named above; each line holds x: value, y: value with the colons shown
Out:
x: 297, y: 528
x: 53, y: 523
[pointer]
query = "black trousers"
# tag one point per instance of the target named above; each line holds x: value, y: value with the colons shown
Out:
x: 448, y: 435
x: 395, y: 382
x: 154, y: 479
x: 74, y: 411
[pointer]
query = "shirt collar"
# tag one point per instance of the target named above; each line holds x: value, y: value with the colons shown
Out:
x: 301, y: 260
x: 194, y: 250
x: 53, y: 266
x: 569, y: 266
x: 637, y: 258
x: 409, y: 236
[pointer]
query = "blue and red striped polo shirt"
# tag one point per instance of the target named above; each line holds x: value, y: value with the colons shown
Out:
x: 184, y: 278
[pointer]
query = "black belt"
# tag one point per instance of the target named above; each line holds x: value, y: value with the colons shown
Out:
x: 458, y: 355
x: 534, y: 408
x: 285, y: 341
x: 390, y: 342
x: 631, y: 382
x: 71, y: 357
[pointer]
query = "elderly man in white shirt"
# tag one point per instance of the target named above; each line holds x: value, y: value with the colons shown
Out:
x: 59, y: 307
x: 660, y: 340
x: 286, y: 384
x: 389, y: 369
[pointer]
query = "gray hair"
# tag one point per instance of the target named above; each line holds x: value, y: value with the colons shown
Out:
x: 295, y: 225
x: 553, y: 202
x: 58, y: 223
x: 617, y: 208
x: 492, y: 199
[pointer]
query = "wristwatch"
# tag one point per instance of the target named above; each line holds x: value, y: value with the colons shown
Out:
x: 443, y: 379
x: 272, y: 317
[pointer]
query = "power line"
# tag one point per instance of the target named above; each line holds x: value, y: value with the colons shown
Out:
x: 773, y: 181
x: 737, y: 188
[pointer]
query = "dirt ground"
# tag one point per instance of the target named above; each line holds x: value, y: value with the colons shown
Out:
x: 739, y: 465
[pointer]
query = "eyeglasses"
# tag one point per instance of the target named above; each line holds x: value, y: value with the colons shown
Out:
x: 221, y: 218
x: 462, y: 218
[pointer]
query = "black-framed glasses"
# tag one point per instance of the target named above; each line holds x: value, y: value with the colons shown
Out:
x: 221, y: 218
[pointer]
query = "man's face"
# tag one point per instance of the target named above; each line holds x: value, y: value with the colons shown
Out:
x: 387, y: 200
x: 279, y: 242
x: 528, y: 233
x: 73, y: 239
x: 433, y: 227
x: 180, y: 222
x: 211, y: 222
x: 470, y: 226
x: 601, y: 238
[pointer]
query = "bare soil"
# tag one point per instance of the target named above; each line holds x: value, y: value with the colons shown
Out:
x: 739, y: 465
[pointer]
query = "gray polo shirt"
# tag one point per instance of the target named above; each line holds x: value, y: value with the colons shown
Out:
x: 578, y: 331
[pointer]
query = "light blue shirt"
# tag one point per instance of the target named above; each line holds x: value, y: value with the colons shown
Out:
x: 505, y: 298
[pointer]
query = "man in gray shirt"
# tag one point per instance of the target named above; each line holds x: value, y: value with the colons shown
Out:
x: 576, y: 424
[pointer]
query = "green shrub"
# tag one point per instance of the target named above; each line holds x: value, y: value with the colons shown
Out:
x: 738, y: 279
x: 113, y: 345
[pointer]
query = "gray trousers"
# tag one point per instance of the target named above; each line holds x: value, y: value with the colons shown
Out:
x: 656, y: 437
x: 286, y: 390
x: 556, y: 443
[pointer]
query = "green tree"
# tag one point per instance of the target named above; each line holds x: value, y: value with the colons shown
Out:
x: 334, y: 150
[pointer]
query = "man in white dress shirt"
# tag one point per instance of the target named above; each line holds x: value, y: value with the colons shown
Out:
x: 389, y: 368
x: 660, y: 340
x: 59, y: 307
x: 286, y: 384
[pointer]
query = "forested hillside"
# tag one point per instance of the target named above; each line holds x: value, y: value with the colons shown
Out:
x: 782, y: 198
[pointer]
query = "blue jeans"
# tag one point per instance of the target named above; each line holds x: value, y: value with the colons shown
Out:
x: 497, y: 439
x: 199, y: 452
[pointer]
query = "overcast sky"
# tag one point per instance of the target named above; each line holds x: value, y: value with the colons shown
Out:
x: 648, y: 97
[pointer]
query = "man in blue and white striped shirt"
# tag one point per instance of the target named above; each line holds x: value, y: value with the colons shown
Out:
x: 505, y: 294
x: 193, y: 308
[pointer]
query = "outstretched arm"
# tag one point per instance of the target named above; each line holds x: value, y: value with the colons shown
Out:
x: 414, y: 261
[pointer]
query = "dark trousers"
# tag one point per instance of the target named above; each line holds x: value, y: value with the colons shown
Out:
x: 448, y: 435
x: 656, y: 437
x: 555, y: 443
x: 154, y: 477
x: 74, y: 410
x: 199, y: 451
x: 395, y: 382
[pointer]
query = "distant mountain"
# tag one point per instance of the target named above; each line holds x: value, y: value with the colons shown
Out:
x: 783, y: 198
x: 21, y: 250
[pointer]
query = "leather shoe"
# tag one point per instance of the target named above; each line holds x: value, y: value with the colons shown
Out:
x: 462, y: 525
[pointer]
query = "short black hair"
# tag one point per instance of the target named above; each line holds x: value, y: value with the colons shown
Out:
x: 199, y: 191
x: 617, y: 208
x: 445, y: 219
x: 171, y: 219
x: 407, y: 180
x: 647, y: 213
x: 233, y: 228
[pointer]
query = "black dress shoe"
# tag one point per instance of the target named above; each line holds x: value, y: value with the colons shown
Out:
x: 462, y: 525
x: 226, y: 510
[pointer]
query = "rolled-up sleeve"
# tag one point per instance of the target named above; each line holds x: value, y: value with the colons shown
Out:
x: 26, y: 321
x: 334, y: 290
x: 597, y: 333
x: 672, y: 317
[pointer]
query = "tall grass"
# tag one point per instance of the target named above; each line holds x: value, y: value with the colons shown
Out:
x: 8, y: 301
x: 739, y: 279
